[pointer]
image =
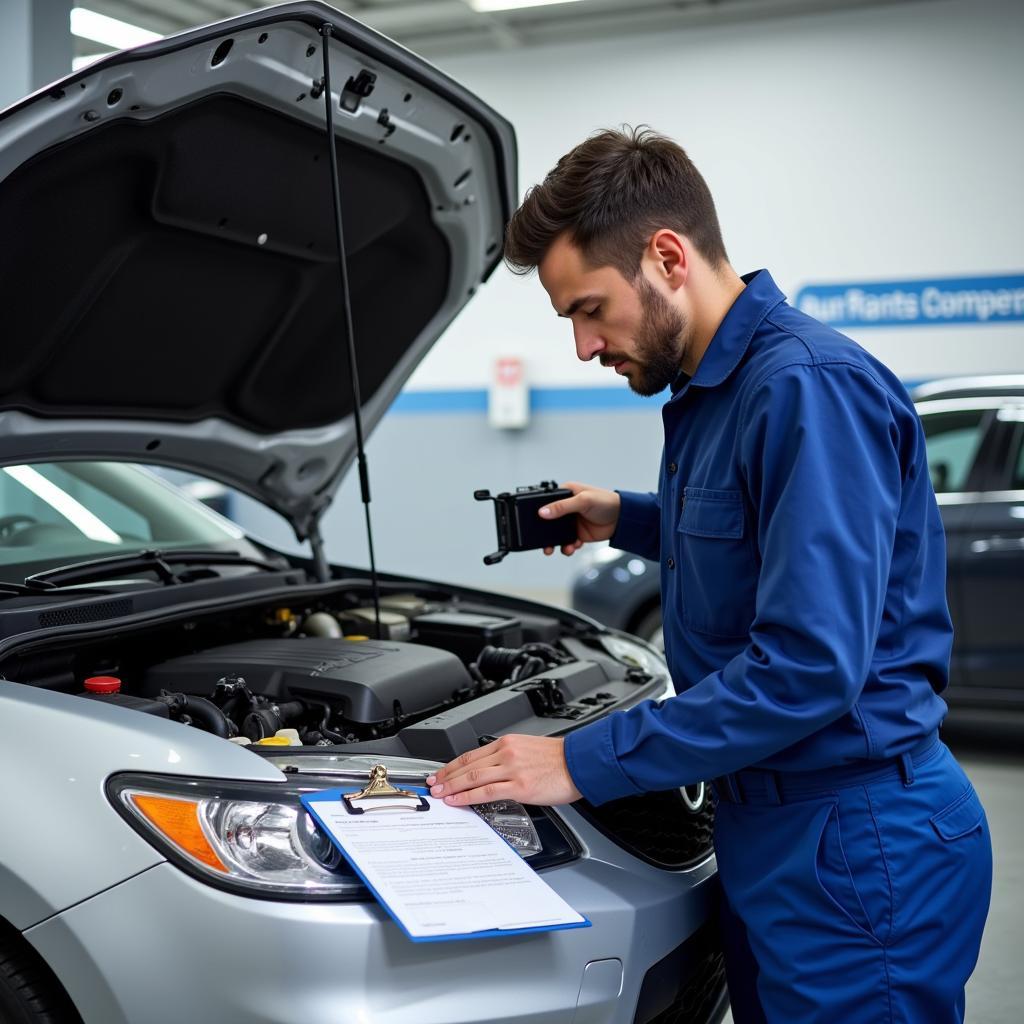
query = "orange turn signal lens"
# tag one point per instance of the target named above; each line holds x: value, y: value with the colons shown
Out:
x: 178, y: 821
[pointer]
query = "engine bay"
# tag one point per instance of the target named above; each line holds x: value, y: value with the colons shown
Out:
x: 444, y: 676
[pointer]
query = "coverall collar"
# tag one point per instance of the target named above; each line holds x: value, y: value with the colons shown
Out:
x: 732, y: 339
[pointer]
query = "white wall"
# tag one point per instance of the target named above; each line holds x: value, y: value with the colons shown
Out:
x: 879, y: 144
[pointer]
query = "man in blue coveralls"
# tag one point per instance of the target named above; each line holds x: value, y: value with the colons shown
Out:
x: 803, y: 586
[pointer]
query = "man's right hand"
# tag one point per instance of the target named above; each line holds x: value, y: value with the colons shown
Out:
x: 597, y: 513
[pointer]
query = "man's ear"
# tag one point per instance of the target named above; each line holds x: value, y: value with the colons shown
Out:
x: 667, y: 255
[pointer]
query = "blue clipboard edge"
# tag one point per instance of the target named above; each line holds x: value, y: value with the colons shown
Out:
x: 328, y: 795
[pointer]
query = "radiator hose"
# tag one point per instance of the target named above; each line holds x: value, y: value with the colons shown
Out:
x: 200, y: 710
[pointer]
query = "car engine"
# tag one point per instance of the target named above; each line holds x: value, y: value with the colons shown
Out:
x: 444, y: 676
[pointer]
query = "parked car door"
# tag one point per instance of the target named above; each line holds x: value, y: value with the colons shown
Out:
x: 955, y: 431
x: 992, y: 574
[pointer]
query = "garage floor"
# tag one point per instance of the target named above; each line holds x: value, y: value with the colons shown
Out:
x: 992, y: 754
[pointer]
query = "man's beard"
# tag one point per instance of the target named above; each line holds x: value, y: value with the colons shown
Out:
x: 660, y: 344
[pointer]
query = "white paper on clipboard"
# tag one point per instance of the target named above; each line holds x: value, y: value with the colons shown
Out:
x: 444, y: 873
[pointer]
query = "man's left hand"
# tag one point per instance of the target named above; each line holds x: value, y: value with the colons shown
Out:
x: 529, y: 769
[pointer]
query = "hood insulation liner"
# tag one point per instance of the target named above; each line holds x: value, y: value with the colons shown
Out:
x: 186, y: 267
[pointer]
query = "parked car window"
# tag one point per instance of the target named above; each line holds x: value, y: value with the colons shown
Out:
x: 1017, y: 482
x: 55, y: 513
x: 953, y: 439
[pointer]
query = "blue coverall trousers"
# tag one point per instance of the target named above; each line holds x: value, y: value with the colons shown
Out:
x: 850, y: 900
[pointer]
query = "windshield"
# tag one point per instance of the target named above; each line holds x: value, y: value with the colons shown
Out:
x: 55, y: 514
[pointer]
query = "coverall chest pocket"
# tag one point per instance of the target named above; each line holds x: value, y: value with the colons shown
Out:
x: 717, y: 562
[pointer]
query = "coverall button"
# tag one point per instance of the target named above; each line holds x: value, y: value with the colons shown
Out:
x: 671, y: 563
x: 672, y: 467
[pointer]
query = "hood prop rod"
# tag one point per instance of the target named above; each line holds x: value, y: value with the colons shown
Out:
x: 353, y: 368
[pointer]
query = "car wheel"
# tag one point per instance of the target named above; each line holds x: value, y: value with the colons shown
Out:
x: 29, y: 994
x: 651, y: 629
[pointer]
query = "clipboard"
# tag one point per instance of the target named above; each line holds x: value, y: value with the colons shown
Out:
x: 379, y: 795
x: 525, y: 888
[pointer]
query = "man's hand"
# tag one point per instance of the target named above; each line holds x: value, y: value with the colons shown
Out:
x: 597, y: 513
x: 530, y: 769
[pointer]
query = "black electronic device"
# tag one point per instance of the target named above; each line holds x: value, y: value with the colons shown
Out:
x: 519, y: 526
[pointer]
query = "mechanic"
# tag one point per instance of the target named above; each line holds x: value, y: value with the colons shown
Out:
x: 803, y: 586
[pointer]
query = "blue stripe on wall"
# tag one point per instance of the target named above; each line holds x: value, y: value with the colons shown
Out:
x: 474, y: 400
x: 440, y: 401
x: 471, y: 400
x: 568, y: 399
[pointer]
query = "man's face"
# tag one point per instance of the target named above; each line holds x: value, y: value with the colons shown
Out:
x: 630, y: 328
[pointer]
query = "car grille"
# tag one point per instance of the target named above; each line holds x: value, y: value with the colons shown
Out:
x: 660, y: 828
x: 702, y: 1000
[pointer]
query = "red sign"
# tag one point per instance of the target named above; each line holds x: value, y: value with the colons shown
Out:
x: 508, y: 372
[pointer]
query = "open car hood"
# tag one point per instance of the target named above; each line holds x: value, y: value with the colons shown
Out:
x: 169, y: 278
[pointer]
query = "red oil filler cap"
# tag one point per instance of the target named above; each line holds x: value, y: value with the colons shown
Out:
x: 102, y: 684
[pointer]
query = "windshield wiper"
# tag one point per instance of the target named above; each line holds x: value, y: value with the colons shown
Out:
x: 158, y: 562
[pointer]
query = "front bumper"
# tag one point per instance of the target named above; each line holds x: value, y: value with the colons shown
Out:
x: 163, y: 947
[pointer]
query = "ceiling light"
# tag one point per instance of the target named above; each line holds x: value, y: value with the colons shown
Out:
x: 513, y: 5
x: 99, y: 28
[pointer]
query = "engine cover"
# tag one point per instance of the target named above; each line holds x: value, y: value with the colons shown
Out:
x: 366, y: 676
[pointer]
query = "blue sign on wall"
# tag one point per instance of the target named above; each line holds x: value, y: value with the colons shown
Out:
x: 949, y: 300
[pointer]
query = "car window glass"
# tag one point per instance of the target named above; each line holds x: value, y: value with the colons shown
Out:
x: 50, y: 494
x: 953, y: 439
x: 260, y: 523
x: 1017, y: 482
x: 56, y: 513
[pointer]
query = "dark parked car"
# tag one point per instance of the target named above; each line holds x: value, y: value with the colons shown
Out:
x: 975, y: 434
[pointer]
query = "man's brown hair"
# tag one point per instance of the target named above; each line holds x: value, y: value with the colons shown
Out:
x: 611, y: 193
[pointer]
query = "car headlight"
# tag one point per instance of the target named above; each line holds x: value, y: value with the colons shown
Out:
x: 513, y: 823
x: 258, y: 840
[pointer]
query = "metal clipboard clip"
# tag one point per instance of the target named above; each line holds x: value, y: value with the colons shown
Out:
x: 378, y: 788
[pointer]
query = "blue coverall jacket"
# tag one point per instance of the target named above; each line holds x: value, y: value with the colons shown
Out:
x: 802, y: 565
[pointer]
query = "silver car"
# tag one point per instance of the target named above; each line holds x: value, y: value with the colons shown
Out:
x: 170, y: 687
